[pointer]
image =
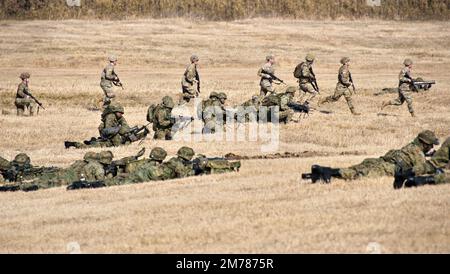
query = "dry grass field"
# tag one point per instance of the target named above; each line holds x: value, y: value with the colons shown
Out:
x: 263, y: 208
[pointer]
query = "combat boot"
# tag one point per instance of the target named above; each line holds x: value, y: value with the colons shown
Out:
x: 413, y: 115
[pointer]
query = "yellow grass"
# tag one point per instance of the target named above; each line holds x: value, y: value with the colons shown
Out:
x: 265, y: 207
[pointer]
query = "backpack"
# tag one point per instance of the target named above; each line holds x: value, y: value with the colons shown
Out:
x: 298, y: 70
x: 271, y: 100
x: 151, y: 113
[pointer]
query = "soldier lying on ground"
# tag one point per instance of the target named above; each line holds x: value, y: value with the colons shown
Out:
x: 114, y: 130
x: 434, y: 171
x: 21, y: 169
x: 94, y: 166
x: 409, y: 156
x: 157, y: 170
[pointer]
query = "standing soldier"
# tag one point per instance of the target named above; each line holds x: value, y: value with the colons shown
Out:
x: 190, y: 83
x: 23, y: 96
x: 404, y: 88
x: 108, y: 79
x: 163, y: 121
x: 266, y: 72
x: 306, y: 77
x: 343, y: 87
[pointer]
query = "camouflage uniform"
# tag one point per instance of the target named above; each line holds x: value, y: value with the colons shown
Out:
x: 204, y: 165
x: 409, y: 156
x: 190, y: 80
x: 107, y: 79
x: 114, y: 130
x: 214, y: 113
x: 306, y: 77
x: 266, y: 80
x: 156, y: 170
x: 404, y: 89
x: 163, y: 121
x: 282, y: 100
x: 23, y: 100
x: 342, y: 87
x: 440, y: 160
x: 248, y: 108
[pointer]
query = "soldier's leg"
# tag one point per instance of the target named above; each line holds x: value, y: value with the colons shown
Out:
x: 109, y: 95
x: 348, y: 98
x: 160, y: 134
x: 372, y: 167
x: 443, y: 178
x: 32, y: 107
x: 408, y: 98
x: 20, y: 109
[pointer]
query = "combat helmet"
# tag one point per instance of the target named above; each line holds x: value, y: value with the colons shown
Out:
x: 24, y: 75
x: 428, y: 137
x: 310, y: 57
x: 113, y: 108
x: 407, y: 62
x: 194, y: 58
x: 345, y: 60
x: 22, y: 159
x: 222, y: 96
x: 291, y: 90
x: 186, y: 153
x: 112, y: 58
x: 105, y: 157
x: 158, y: 154
x: 90, y: 156
x: 168, y: 102
x: 213, y: 95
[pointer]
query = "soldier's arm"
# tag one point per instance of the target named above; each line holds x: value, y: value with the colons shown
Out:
x: 284, y: 103
x: 190, y: 74
x: 110, y: 74
x: 23, y: 90
x: 306, y: 73
x: 124, y: 127
x: 405, y: 76
x: 162, y: 119
x: 345, y: 77
x: 262, y: 72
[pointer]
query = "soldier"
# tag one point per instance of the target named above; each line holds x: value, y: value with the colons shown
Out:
x: 108, y: 79
x: 190, y: 83
x: 114, y: 130
x: 306, y: 76
x: 266, y: 73
x: 404, y: 88
x: 435, y: 170
x: 163, y: 121
x: 177, y: 167
x: 282, y: 100
x: 214, y: 113
x: 249, y: 107
x: 204, y: 165
x: 342, y: 87
x: 409, y: 156
x: 23, y: 96
x: 94, y: 167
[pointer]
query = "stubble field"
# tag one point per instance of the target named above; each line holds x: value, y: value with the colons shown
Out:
x: 263, y: 208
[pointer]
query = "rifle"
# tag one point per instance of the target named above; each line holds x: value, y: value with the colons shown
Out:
x: 314, y: 80
x: 417, y: 84
x: 297, y: 107
x: 118, y: 84
x: 351, y: 81
x: 197, y: 77
x: 131, y: 135
x: 16, y: 173
x: 34, y: 98
x: 274, y: 77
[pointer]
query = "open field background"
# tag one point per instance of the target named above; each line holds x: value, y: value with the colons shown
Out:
x: 264, y: 208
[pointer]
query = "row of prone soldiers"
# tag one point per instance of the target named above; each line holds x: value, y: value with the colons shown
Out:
x: 100, y: 170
